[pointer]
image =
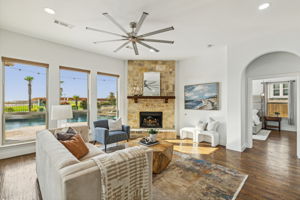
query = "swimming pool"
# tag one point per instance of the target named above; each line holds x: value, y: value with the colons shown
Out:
x: 11, y: 124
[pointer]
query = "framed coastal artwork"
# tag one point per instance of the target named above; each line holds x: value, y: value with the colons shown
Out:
x: 202, y: 96
x: 151, y: 84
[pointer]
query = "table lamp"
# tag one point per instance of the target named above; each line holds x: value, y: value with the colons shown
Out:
x: 61, y: 113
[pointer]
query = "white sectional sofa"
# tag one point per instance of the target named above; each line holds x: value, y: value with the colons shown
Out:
x: 62, y: 176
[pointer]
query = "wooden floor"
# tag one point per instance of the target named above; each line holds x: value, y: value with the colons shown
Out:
x: 272, y: 166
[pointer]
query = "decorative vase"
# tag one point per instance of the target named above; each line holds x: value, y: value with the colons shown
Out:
x: 153, y: 137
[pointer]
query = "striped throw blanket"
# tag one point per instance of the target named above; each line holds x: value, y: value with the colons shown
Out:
x: 124, y: 174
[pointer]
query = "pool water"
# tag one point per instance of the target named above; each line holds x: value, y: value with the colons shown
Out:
x: 12, y: 124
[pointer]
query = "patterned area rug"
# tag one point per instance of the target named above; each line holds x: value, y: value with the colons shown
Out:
x: 187, y: 178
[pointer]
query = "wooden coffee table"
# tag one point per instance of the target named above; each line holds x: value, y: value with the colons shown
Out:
x: 162, y: 154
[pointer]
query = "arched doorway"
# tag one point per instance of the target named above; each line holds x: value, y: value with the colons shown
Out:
x: 268, y: 66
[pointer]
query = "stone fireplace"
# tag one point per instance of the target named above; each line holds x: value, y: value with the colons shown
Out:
x: 151, y: 119
x: 161, y: 113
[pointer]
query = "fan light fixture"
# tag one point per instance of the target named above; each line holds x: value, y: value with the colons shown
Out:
x: 132, y: 36
x: 49, y: 11
x: 263, y: 6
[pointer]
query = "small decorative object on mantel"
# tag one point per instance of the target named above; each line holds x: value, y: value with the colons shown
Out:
x: 151, y: 84
x: 202, y: 96
x: 277, y: 114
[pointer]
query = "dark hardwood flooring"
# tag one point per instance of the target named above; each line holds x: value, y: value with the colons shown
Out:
x: 272, y: 166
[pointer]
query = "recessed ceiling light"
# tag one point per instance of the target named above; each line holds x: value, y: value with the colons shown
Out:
x: 49, y: 11
x: 151, y: 50
x: 263, y: 6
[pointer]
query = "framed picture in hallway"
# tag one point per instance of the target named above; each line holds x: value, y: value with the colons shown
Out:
x: 202, y: 96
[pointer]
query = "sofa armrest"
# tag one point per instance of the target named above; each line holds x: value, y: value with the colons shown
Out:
x: 76, y: 177
x: 126, y: 129
x: 101, y: 134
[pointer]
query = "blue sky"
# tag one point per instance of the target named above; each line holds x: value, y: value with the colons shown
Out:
x: 75, y: 83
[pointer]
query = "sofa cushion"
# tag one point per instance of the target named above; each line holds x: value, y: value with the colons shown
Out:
x: 76, y: 146
x: 93, y: 151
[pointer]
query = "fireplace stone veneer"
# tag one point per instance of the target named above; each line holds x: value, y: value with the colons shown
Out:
x: 136, y: 69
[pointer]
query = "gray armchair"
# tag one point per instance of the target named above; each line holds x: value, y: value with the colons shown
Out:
x: 105, y: 136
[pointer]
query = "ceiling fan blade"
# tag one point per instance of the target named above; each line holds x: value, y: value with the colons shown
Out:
x: 135, y: 48
x: 120, y: 47
x: 115, y: 22
x: 146, y: 45
x: 157, y: 32
x: 97, y: 42
x: 102, y: 31
x: 139, y: 24
x: 160, y: 41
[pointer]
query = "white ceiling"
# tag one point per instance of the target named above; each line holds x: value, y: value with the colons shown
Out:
x: 197, y: 22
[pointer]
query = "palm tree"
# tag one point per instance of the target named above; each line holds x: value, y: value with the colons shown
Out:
x: 111, y: 98
x: 29, y: 79
x: 76, y: 98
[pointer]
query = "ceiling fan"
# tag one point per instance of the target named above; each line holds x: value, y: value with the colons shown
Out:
x: 133, y: 36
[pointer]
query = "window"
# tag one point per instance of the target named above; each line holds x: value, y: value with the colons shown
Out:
x: 25, y: 100
x: 74, y: 92
x: 107, y: 96
x: 279, y: 90
x: 278, y: 99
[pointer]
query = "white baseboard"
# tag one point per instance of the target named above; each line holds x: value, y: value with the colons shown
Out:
x: 16, y: 150
x: 236, y: 148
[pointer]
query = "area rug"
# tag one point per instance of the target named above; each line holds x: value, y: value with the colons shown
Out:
x: 262, y: 135
x: 187, y: 178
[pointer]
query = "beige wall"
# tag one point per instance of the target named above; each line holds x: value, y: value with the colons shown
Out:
x: 136, y: 69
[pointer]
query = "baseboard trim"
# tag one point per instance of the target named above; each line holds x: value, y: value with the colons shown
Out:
x: 16, y: 150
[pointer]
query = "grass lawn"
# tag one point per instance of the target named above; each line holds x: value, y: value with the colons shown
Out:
x: 35, y: 108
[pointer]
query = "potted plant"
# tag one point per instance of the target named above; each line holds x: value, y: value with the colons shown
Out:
x: 153, y: 133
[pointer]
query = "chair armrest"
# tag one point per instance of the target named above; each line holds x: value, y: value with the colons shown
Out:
x: 101, y: 134
x: 126, y: 129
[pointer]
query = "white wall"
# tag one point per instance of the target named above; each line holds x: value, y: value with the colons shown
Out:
x: 23, y: 47
x: 239, y: 57
x: 209, y: 66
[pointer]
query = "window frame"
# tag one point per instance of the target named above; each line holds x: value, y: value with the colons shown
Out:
x: 88, y: 87
x: 281, y: 91
x: 25, y: 62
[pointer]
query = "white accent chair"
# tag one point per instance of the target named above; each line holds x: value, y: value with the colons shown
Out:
x: 207, y: 136
x: 187, y: 132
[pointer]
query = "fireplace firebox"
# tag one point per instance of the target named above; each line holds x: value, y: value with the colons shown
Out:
x: 151, y: 119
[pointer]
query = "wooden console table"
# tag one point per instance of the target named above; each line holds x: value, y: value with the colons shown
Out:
x: 272, y: 119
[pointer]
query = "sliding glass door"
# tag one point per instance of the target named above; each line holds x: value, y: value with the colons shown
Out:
x: 25, y: 100
x: 107, y: 96
x: 74, y: 92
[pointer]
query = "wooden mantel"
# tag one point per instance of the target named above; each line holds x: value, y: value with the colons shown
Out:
x: 166, y: 98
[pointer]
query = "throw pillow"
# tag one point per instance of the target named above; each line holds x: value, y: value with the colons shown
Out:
x: 212, y: 125
x: 65, y: 133
x: 201, y: 125
x: 76, y: 146
x: 115, y: 125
